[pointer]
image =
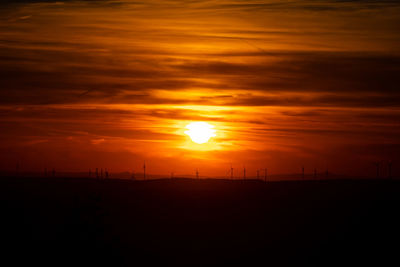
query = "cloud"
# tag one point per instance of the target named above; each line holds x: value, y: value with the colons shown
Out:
x: 327, y: 79
x: 95, y: 2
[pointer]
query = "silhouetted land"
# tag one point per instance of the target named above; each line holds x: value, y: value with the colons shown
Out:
x: 60, y: 221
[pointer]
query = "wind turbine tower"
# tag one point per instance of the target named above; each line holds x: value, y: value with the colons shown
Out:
x: 17, y: 169
x: 377, y: 170
x: 265, y: 175
x: 144, y: 170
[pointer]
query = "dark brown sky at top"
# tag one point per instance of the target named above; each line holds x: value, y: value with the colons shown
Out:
x: 87, y: 84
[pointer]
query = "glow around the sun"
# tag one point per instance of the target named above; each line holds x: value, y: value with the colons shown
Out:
x: 200, y: 132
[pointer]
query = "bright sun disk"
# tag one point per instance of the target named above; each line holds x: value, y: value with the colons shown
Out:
x: 200, y: 132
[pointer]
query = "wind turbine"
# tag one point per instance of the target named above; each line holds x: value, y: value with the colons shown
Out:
x: 144, y: 170
x: 377, y: 164
x: 17, y: 169
x: 265, y: 174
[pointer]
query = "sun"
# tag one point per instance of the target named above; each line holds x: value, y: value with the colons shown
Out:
x: 200, y: 132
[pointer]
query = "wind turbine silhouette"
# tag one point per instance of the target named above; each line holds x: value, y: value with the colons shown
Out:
x: 265, y: 175
x: 377, y: 164
x: 390, y: 169
x: 144, y: 170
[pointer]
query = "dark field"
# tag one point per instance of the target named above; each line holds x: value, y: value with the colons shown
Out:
x: 59, y: 221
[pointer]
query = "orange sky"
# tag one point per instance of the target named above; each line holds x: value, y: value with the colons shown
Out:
x: 110, y: 84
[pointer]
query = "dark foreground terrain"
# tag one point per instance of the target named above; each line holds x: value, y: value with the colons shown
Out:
x: 75, y: 222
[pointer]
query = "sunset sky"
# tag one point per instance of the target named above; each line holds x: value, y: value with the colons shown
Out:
x: 110, y: 84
